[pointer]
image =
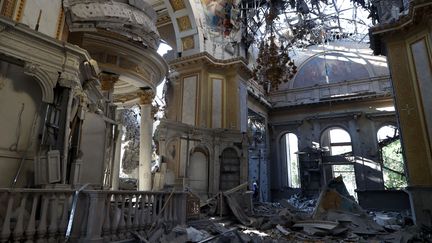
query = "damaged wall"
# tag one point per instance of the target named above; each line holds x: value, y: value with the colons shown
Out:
x: 20, y: 115
x: 360, y: 119
x: 190, y: 153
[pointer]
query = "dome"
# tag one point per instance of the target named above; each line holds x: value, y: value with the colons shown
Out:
x: 333, y: 67
x: 342, y: 61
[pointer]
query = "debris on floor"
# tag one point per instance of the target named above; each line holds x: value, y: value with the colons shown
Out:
x: 334, y: 217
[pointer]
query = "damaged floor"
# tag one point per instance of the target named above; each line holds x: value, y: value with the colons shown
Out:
x: 335, y: 216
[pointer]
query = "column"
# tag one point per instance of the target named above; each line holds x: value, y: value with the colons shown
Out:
x: 117, y: 159
x: 146, y: 129
x: 108, y: 81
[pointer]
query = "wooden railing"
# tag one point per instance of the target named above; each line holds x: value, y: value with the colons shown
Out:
x: 37, y: 215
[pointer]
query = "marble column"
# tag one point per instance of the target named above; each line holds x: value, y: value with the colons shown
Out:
x: 145, y: 152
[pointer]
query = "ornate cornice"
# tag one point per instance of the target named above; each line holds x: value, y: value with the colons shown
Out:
x: 207, y: 59
x: 418, y: 10
x: 49, y: 60
x: 135, y: 19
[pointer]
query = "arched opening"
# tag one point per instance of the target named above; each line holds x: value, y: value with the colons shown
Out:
x: 290, y: 150
x: 198, y: 173
x: 391, y: 157
x: 338, y: 142
x: 229, y: 170
x: 21, y: 112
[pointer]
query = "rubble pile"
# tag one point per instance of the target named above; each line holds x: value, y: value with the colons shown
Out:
x: 335, y: 217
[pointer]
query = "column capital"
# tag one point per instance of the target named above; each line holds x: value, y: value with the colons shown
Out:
x: 108, y: 80
x: 146, y: 96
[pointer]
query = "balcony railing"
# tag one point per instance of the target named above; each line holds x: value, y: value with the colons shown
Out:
x: 43, y: 215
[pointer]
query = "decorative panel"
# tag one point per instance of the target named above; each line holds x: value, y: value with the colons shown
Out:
x: 216, y: 103
x: 7, y: 8
x: 188, y: 43
x: 177, y: 5
x: 184, y: 23
x: 422, y: 65
x: 37, y: 10
x: 189, y: 99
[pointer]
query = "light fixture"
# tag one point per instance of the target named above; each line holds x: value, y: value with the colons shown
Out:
x: 273, y: 65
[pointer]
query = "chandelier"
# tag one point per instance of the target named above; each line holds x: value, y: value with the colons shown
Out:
x: 273, y: 65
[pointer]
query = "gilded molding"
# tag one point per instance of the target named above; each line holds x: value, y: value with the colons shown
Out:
x: 20, y: 10
x: 146, y: 96
x: 108, y: 81
x: 8, y: 8
x: 184, y: 23
x: 60, y: 23
x: 177, y: 5
x: 188, y: 43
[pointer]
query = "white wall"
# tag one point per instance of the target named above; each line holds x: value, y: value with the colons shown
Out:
x: 17, y: 91
x: 50, y: 11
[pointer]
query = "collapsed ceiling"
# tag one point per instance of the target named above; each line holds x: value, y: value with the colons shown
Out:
x: 301, y: 23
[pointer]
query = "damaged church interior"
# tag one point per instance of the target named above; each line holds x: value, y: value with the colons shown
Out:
x: 216, y: 121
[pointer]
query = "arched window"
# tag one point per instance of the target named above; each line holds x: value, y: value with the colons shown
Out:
x: 338, y: 141
x: 391, y: 156
x: 291, y: 149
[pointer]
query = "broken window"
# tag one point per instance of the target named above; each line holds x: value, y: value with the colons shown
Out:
x: 337, y: 140
x: 391, y: 156
x: 348, y: 174
x: 291, y: 149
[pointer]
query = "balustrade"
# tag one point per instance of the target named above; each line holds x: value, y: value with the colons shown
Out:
x: 34, y: 215
x: 41, y: 215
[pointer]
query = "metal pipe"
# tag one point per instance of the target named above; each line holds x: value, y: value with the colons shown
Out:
x: 72, y: 214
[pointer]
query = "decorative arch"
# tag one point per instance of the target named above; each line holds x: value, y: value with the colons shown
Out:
x: 183, y: 17
x: 200, y: 148
x: 230, y: 169
x: 238, y: 151
x: 46, y: 79
x: 199, y: 170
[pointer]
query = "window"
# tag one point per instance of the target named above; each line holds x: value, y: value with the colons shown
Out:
x: 291, y: 146
x: 391, y: 156
x: 338, y: 141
